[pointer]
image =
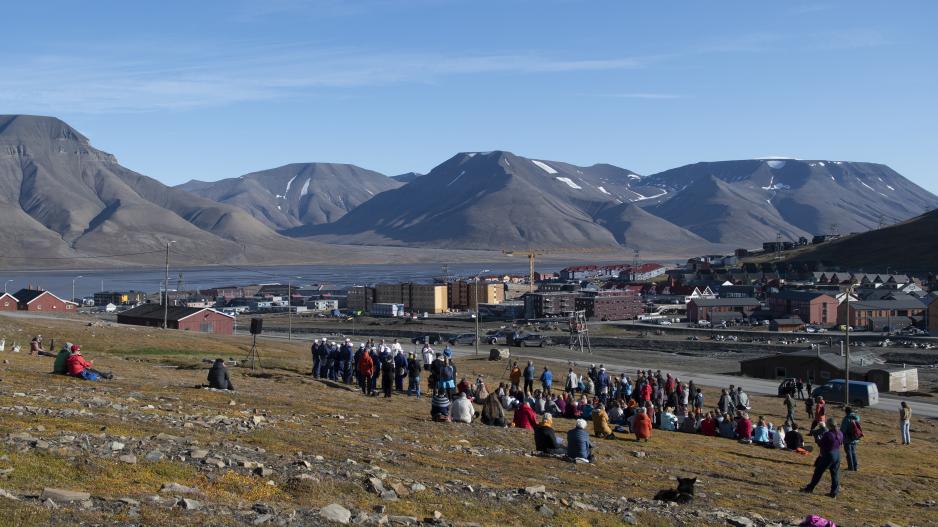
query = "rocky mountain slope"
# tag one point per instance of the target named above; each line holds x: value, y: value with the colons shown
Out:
x: 61, y: 197
x: 500, y: 200
x: 298, y: 193
x: 749, y: 201
x: 909, y: 246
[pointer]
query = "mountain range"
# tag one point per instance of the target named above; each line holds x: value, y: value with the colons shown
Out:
x: 62, y: 198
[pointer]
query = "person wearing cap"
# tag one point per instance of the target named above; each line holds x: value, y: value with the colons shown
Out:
x: 578, y: 443
x: 546, y: 440
x: 60, y: 366
x: 218, y: 376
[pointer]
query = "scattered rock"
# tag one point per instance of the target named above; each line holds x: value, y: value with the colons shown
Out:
x: 198, y: 453
x: 130, y: 459
x: 400, y: 489
x: 375, y: 485
x: 116, y: 445
x: 535, y: 490
x: 155, y: 455
x: 740, y: 521
x: 545, y: 511
x: 629, y: 518
x: 189, y: 504
x: 64, y: 496
x: 335, y: 513
x: 176, y: 488
x: 638, y: 453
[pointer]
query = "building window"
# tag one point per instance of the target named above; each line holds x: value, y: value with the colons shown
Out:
x: 207, y: 327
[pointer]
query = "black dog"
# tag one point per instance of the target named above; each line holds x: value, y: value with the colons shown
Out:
x: 683, y: 494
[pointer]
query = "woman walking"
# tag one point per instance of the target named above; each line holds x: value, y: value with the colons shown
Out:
x: 829, y: 443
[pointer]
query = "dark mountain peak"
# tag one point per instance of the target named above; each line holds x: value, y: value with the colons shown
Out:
x: 38, y: 128
x: 406, y: 177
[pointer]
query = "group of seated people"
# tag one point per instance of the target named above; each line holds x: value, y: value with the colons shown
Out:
x: 70, y: 361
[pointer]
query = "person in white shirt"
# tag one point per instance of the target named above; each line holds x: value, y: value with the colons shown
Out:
x: 462, y: 411
x: 396, y: 347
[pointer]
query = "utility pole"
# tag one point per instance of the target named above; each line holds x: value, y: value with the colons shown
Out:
x: 73, y: 286
x: 478, y: 315
x: 166, y: 288
x: 847, y: 349
x: 290, y: 309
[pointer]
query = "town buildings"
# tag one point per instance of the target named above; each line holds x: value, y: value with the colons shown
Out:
x: 610, y: 305
x: 716, y: 310
x: 40, y: 300
x: 882, y: 315
x: 819, y: 367
x: 812, y: 307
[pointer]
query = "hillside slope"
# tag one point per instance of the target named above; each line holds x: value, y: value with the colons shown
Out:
x: 298, y: 193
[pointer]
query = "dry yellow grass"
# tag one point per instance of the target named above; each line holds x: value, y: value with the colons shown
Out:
x: 749, y: 479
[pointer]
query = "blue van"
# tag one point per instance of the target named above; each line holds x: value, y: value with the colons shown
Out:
x: 862, y: 393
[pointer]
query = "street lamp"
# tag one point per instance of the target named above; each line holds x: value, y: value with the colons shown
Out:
x: 73, y: 286
x: 478, y: 315
x: 5, y: 285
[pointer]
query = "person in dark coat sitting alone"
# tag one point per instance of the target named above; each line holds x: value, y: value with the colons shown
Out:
x: 545, y: 440
x: 218, y: 376
x: 578, y: 443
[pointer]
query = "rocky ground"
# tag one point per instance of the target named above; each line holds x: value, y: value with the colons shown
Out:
x: 149, y: 448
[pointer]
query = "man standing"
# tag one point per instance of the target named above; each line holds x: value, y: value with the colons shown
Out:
x: 800, y: 387
x: 905, y: 418
x: 314, y: 350
x: 572, y: 382
x: 400, y: 368
x: 515, y: 377
x: 850, y: 427
x: 789, y: 409
x: 547, y: 380
x: 742, y: 399
x: 413, y: 376
x: 529, y: 378
x: 698, y: 403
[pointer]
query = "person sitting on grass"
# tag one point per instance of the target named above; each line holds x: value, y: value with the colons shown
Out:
x: 493, y: 414
x: 578, y: 443
x: 743, y: 427
x: 760, y: 434
x: 545, y: 439
x: 218, y: 376
x: 708, y: 426
x: 524, y: 417
x: 793, y: 438
x: 439, y: 407
x: 586, y: 408
x: 59, y: 366
x: 726, y: 427
x: 778, y: 438
x: 601, y: 422
x: 79, y: 367
x: 641, y: 425
x: 689, y: 424
x: 461, y: 410
x: 667, y: 420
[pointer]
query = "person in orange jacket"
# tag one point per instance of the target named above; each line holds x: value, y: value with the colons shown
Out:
x: 641, y: 425
x: 366, y: 367
x: 515, y: 377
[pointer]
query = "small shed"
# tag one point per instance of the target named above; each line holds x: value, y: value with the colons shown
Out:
x: 893, y: 379
x: 788, y: 325
x: 8, y: 302
x: 204, y: 320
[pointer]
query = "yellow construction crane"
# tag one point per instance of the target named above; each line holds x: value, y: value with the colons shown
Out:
x: 532, y: 254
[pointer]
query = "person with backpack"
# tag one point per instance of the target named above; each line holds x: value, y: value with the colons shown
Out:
x: 850, y: 426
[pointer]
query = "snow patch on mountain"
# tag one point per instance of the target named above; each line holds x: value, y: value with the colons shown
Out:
x: 545, y: 167
x: 566, y: 180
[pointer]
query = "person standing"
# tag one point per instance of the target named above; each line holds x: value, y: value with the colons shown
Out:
x: 413, y: 376
x: 547, y: 380
x: 515, y: 377
x: 366, y: 369
x: 800, y: 387
x: 828, y: 458
x: 850, y: 427
x: 789, y: 409
x: 809, y: 407
x: 387, y: 376
x: 905, y: 419
x: 529, y: 378
x: 698, y: 403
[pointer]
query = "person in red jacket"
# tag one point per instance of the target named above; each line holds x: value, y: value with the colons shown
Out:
x: 708, y: 426
x: 641, y: 425
x: 366, y: 367
x: 646, y: 392
x: 77, y: 366
x: 743, y: 427
x: 524, y: 417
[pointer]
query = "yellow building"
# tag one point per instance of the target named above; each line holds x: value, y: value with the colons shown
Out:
x: 427, y: 298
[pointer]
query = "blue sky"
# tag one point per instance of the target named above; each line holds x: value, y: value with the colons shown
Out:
x: 214, y: 89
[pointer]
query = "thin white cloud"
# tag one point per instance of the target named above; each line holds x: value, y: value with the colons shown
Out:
x: 58, y: 83
x: 645, y: 95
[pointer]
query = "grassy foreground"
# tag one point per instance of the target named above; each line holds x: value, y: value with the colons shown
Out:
x: 154, y: 394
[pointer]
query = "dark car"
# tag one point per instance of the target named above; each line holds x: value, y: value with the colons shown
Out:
x: 427, y: 339
x: 534, y: 339
x: 502, y: 336
x: 464, y: 339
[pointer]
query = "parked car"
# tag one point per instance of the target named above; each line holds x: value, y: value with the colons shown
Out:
x: 465, y: 339
x: 534, y: 339
x: 427, y: 339
x: 861, y: 393
x: 664, y: 322
x: 502, y: 336
x: 788, y: 386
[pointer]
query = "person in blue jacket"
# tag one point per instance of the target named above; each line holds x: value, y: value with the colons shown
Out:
x: 847, y: 428
x: 547, y: 380
x: 400, y: 370
x: 578, y: 443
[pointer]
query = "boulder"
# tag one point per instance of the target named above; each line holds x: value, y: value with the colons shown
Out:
x: 64, y: 496
x: 335, y: 513
x: 499, y: 354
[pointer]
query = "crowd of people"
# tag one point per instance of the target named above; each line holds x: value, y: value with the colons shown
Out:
x: 68, y: 361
